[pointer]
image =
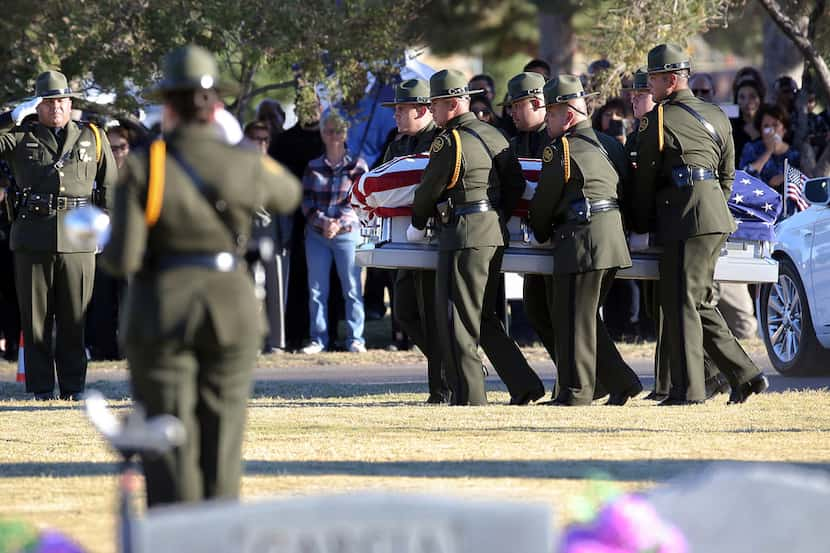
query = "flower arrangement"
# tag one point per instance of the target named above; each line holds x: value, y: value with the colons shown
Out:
x: 625, y: 523
x: 19, y: 537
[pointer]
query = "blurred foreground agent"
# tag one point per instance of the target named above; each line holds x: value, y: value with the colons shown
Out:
x: 685, y: 169
x: 576, y: 206
x: 471, y: 185
x: 58, y: 165
x: 414, y: 294
x: 181, y: 220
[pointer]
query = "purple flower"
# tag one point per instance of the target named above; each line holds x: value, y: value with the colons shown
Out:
x: 54, y: 542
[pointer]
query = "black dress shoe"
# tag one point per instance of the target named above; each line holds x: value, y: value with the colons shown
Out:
x: 675, y: 401
x: 621, y: 398
x: 555, y: 402
x: 755, y: 385
x: 72, y: 396
x: 654, y: 396
x: 716, y: 385
x: 527, y: 397
x: 45, y: 396
x: 436, y: 399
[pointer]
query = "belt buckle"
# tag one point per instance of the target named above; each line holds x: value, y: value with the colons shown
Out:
x: 61, y: 203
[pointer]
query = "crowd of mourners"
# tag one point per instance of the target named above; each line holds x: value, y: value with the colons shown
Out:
x: 324, y: 285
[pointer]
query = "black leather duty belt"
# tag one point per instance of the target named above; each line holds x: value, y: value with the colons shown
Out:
x: 64, y: 203
x: 472, y: 207
x: 599, y: 206
x: 686, y: 175
x: 224, y: 262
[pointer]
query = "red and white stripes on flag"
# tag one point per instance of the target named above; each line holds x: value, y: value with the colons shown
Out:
x: 389, y: 189
x: 794, y: 180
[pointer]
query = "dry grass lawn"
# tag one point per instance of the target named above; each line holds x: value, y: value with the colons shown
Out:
x: 320, y: 438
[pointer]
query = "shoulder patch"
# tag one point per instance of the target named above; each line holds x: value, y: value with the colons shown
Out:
x: 547, y: 154
x: 437, y: 144
x: 643, y: 123
x: 271, y: 166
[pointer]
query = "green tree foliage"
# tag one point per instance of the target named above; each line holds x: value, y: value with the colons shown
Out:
x: 628, y: 30
x: 117, y: 46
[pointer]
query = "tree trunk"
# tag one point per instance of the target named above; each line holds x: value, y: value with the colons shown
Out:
x: 781, y: 57
x: 557, y: 42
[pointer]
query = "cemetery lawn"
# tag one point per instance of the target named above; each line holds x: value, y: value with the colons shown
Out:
x: 307, y: 438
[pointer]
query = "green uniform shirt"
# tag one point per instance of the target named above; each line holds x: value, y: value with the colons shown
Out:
x: 42, y: 165
x: 160, y: 302
x: 493, y: 175
x: 691, y: 211
x: 406, y: 145
x: 599, y: 244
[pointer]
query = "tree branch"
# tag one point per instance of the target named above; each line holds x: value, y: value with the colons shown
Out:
x: 801, y: 41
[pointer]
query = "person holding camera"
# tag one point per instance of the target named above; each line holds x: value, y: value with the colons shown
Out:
x: 58, y: 165
x: 181, y: 222
x: 576, y: 206
x: 764, y: 157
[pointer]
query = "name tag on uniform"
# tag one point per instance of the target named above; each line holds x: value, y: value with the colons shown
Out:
x: 32, y: 145
x: 85, y: 143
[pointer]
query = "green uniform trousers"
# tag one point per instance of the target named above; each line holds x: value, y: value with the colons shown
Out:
x: 54, y: 289
x: 207, y: 387
x: 537, y: 295
x: 466, y: 292
x: 693, y: 323
x: 584, y: 349
x: 662, y: 351
x: 414, y: 300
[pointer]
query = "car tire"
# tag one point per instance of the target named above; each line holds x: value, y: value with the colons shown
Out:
x: 787, y: 327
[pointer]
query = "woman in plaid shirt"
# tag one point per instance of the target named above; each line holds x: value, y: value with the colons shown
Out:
x: 332, y: 233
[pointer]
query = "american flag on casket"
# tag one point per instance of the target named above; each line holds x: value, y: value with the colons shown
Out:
x: 755, y: 207
x: 389, y: 189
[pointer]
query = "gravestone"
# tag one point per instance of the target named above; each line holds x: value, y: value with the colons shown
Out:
x: 750, y: 508
x: 355, y: 523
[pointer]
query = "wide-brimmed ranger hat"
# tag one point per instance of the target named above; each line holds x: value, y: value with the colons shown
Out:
x: 190, y: 68
x: 450, y: 83
x: 667, y: 58
x: 524, y: 85
x: 53, y: 84
x: 640, y: 82
x: 411, y: 91
x: 564, y: 88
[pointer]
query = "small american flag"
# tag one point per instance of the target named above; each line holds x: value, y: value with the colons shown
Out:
x: 795, y: 180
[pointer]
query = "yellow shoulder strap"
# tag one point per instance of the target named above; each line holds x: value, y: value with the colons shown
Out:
x: 98, y: 146
x: 457, y: 168
x: 566, y: 158
x: 660, y: 127
x: 155, y: 185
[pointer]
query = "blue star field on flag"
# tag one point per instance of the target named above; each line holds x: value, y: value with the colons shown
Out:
x: 755, y: 207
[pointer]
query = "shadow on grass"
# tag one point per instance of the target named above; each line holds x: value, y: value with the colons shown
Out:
x: 625, y: 471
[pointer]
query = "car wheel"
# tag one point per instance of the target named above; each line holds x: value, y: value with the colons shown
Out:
x: 787, y: 327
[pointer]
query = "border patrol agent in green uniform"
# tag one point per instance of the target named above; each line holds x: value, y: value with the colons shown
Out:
x: 59, y: 165
x: 575, y: 205
x: 471, y: 186
x: 527, y: 101
x: 685, y: 170
x: 414, y: 293
x: 181, y: 218
x: 641, y: 103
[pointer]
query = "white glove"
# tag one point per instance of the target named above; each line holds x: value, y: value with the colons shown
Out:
x: 638, y: 242
x: 415, y: 235
x: 25, y: 109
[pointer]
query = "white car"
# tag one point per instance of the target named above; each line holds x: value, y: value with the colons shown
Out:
x: 795, y: 310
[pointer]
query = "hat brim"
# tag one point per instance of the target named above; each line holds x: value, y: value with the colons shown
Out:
x: 62, y: 95
x: 588, y: 95
x: 468, y: 93
x: 410, y: 102
x: 156, y: 92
